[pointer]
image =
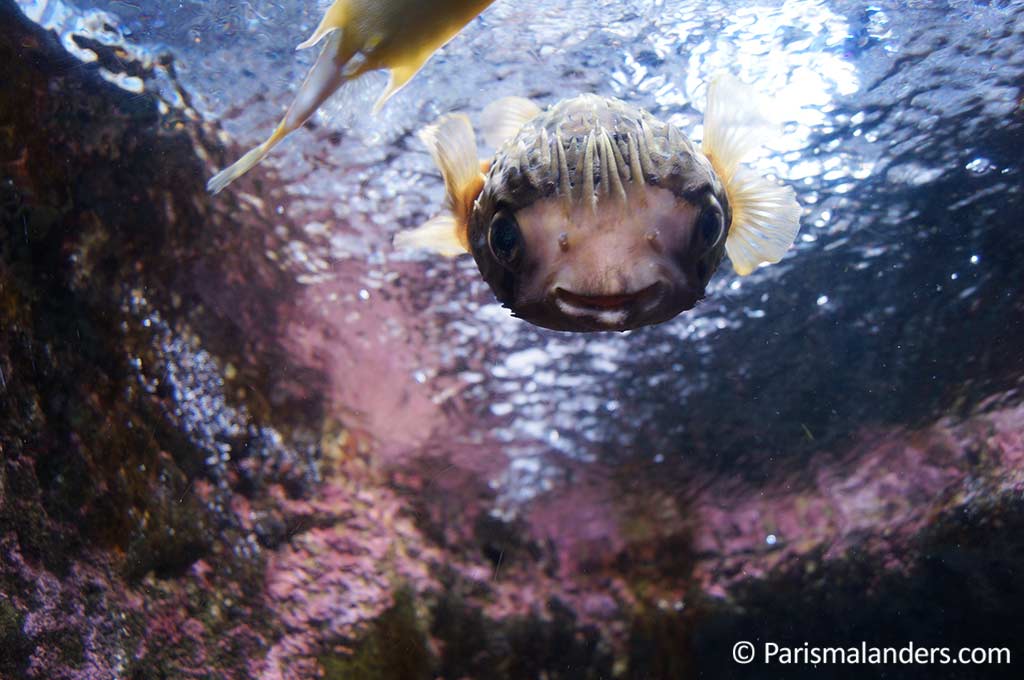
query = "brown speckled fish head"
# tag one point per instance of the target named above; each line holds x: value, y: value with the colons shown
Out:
x: 597, y: 216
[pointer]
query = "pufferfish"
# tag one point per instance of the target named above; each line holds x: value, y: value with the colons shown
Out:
x: 596, y: 216
x: 360, y: 36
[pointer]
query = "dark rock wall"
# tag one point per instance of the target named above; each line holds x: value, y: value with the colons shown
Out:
x: 172, y: 501
x: 103, y: 501
x: 176, y: 502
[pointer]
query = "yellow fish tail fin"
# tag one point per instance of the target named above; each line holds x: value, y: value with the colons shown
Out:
x: 765, y: 215
x: 502, y: 119
x: 334, y: 19
x: 441, y: 235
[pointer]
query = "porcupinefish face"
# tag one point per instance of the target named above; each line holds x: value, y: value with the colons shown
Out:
x: 598, y: 217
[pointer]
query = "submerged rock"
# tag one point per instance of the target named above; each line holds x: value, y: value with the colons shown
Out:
x: 180, y: 495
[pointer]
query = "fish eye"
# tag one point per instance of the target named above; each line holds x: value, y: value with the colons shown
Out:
x: 711, y: 227
x: 505, y: 239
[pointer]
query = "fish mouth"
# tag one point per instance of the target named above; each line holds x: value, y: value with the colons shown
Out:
x: 615, y: 312
x: 604, y: 302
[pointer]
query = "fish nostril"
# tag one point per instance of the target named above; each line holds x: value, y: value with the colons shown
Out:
x: 652, y: 240
x: 563, y: 241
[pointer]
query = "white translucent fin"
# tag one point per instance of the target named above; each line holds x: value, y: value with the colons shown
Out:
x: 452, y: 144
x: 502, y: 119
x: 317, y: 36
x: 735, y: 124
x: 765, y: 221
x: 321, y: 82
x: 440, y: 235
x: 334, y: 18
x: 244, y: 164
x: 352, y: 101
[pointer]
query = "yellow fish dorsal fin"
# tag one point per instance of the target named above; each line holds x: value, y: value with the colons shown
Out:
x: 452, y: 144
x: 504, y: 118
x: 765, y: 216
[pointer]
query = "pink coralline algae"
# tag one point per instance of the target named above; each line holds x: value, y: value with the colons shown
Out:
x: 877, y: 498
x: 196, y: 481
x: 69, y: 616
x: 338, y: 575
x: 586, y: 555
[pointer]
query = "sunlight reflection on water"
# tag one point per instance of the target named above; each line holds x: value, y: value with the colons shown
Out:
x: 535, y: 393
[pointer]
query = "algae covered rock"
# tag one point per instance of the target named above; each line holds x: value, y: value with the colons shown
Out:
x: 237, y: 440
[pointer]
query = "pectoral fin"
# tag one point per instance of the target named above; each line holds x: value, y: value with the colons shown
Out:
x: 735, y: 125
x: 440, y: 235
x: 452, y: 144
x: 765, y: 221
x: 765, y: 215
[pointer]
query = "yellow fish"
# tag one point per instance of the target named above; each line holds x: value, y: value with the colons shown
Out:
x: 360, y: 36
x: 596, y: 216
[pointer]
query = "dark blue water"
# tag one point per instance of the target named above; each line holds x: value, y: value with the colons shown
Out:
x: 900, y: 304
